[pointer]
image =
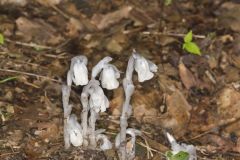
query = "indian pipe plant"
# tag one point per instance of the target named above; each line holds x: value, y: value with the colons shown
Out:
x: 94, y: 101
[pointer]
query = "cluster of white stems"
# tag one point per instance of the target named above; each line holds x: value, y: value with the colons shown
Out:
x: 94, y: 101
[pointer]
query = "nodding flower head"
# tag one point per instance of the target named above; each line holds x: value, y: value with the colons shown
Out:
x: 143, y: 67
x: 109, y: 73
x: 98, y: 101
x: 78, y: 72
x: 109, y: 77
x: 74, y: 131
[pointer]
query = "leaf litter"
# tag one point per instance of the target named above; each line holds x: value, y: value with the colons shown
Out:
x: 195, y: 98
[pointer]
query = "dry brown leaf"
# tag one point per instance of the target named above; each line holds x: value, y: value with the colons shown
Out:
x: 37, y: 30
x: 73, y: 26
x: 178, y: 113
x: 47, y: 131
x: 104, y: 21
x: 145, y: 107
x: 21, y: 3
x: 186, y: 76
x: 116, y: 43
x: 229, y: 107
x: 49, y: 2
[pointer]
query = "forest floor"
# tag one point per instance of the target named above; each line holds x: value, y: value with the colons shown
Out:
x: 193, y: 97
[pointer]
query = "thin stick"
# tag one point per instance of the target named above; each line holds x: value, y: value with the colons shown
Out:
x: 172, y: 34
x: 7, y: 154
x: 29, y: 74
x: 32, y: 45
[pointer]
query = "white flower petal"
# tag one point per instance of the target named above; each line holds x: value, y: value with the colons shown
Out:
x: 98, y: 100
x: 97, y: 68
x: 106, y: 144
x: 75, y: 131
x: 144, y: 68
x: 80, y: 73
x: 109, y: 77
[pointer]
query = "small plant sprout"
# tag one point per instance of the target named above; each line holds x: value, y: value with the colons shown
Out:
x: 180, y: 151
x: 144, y: 68
x: 2, y: 39
x: 78, y: 72
x: 190, y: 46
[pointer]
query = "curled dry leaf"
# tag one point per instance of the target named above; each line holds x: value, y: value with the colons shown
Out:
x: 186, y: 76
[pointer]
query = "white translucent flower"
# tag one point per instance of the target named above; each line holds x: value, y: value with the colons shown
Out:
x: 78, y: 72
x: 74, y: 131
x: 106, y: 144
x: 109, y: 77
x: 144, y: 68
x: 97, y: 68
x: 98, y: 100
x: 176, y: 147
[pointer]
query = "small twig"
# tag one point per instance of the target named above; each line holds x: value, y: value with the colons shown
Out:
x: 60, y: 12
x: 32, y: 45
x: 172, y: 34
x: 7, y: 154
x: 154, y: 150
x: 29, y: 74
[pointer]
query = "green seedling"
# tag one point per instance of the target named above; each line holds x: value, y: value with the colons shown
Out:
x: 190, y: 46
x: 179, y: 156
x: 8, y: 79
x: 1, y: 39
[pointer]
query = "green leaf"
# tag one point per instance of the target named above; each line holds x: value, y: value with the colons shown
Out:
x: 179, y: 156
x: 192, y: 47
x: 188, y: 37
x: 167, y: 2
x: 1, y: 39
x: 8, y: 79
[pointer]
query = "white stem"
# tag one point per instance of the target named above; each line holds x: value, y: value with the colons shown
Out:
x: 84, y: 115
x: 92, y: 122
x: 128, y: 89
x: 67, y: 111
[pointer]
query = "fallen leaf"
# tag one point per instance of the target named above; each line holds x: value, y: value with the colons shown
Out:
x: 21, y: 3
x: 186, y: 76
x: 104, y: 21
x: 178, y: 114
x: 37, y: 30
x: 49, y: 2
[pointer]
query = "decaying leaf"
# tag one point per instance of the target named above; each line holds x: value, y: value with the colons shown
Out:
x: 178, y: 113
x: 186, y: 76
x: 14, y: 2
x: 104, y: 21
x: 229, y: 107
x: 38, y: 31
